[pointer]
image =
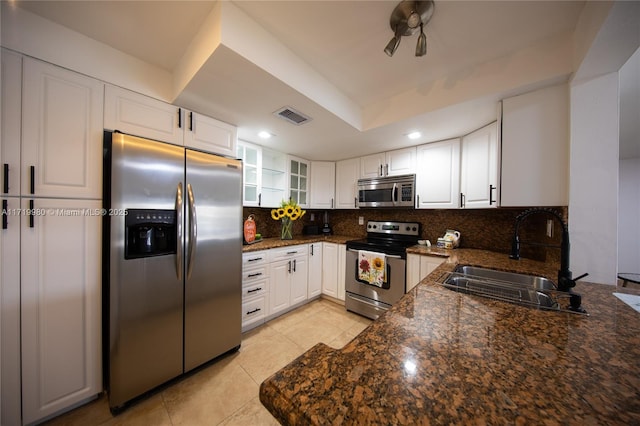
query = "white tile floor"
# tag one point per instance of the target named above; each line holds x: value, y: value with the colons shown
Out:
x: 226, y: 392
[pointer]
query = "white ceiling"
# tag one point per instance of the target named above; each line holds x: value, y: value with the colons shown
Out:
x: 343, y: 41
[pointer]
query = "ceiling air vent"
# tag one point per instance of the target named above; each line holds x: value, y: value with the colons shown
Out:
x: 292, y: 116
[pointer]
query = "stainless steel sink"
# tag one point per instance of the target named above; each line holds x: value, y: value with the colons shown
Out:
x: 512, y: 287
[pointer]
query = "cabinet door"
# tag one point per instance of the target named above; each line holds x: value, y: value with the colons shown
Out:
x: 299, y: 279
x: 535, y: 148
x: 209, y: 135
x: 347, y: 175
x: 298, y: 181
x: 280, y: 288
x: 11, y: 119
x: 438, y: 175
x: 428, y: 264
x: 400, y: 162
x: 61, y: 132
x: 479, y: 168
x: 251, y: 156
x: 342, y: 257
x: 274, y: 178
x: 330, y: 269
x: 10, y: 312
x: 372, y: 165
x: 314, y: 285
x: 413, y: 271
x: 60, y: 306
x: 140, y: 115
x: 323, y: 182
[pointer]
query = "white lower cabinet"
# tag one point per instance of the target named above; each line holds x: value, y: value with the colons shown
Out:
x: 333, y: 270
x: 60, y: 305
x: 418, y: 267
x: 288, y: 272
x: 255, y: 289
x: 314, y: 285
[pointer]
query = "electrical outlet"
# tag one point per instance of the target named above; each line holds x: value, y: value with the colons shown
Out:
x: 360, y: 220
x: 550, y: 228
x: 313, y: 217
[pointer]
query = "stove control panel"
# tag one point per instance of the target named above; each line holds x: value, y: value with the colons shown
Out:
x: 393, y: 228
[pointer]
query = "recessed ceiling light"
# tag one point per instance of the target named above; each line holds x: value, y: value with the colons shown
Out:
x: 414, y: 135
x: 264, y: 134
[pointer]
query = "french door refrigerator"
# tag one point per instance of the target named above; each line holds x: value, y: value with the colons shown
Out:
x: 172, y: 257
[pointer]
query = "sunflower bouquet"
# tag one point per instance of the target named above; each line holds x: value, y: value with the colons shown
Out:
x: 287, y: 213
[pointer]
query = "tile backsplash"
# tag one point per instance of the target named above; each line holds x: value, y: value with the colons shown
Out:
x: 488, y: 229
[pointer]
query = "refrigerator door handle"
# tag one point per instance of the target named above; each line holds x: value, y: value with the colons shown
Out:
x: 193, y: 230
x: 179, y: 222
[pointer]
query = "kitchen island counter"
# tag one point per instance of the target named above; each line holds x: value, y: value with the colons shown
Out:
x: 441, y: 357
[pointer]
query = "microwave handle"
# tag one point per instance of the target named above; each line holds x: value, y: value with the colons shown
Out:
x: 394, y: 193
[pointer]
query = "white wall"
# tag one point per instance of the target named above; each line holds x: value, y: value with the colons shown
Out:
x: 629, y: 216
x: 593, y: 178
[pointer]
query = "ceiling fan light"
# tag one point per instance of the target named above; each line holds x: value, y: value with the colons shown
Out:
x: 392, y: 45
x: 421, y: 46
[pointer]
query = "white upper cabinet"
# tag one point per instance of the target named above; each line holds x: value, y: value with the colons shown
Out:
x: 209, y: 135
x: 61, y: 132
x: 372, y: 165
x: 438, y: 175
x: 479, y: 168
x: 323, y: 182
x: 391, y: 163
x: 299, y: 181
x: 251, y: 156
x: 535, y: 148
x: 347, y: 174
x: 140, y: 115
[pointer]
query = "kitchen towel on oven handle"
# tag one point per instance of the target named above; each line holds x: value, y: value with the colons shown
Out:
x: 372, y: 268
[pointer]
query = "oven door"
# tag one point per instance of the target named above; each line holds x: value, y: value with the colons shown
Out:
x: 388, y: 296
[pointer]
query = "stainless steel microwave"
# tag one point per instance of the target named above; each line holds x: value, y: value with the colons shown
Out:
x: 391, y: 191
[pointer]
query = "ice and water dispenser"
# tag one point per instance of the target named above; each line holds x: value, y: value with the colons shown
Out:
x: 149, y: 233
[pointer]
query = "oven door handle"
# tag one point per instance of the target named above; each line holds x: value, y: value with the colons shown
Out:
x: 386, y: 255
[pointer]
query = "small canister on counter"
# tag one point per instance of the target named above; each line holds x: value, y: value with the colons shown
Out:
x: 249, y: 230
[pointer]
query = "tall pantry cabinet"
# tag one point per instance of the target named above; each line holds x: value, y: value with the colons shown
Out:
x: 52, y: 121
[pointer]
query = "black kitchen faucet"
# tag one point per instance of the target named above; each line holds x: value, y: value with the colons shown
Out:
x: 565, y: 280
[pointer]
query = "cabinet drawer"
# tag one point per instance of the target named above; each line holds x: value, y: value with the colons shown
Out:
x: 286, y: 253
x: 253, y: 274
x: 255, y: 289
x: 249, y: 260
x: 254, y: 310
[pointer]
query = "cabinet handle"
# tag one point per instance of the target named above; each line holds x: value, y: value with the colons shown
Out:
x: 311, y: 249
x: 254, y: 311
x: 254, y: 259
x: 32, y: 176
x: 31, y: 215
x: 5, y: 223
x: 257, y: 274
x: 355, y: 202
x: 179, y: 118
x: 332, y: 203
x: 418, y: 200
x: 289, y: 267
x: 259, y: 199
x: 5, y: 183
x: 461, y: 200
x: 386, y: 170
x: 292, y: 252
x: 491, y: 200
x: 191, y: 121
x: 294, y: 265
x: 254, y: 290
x: 380, y: 169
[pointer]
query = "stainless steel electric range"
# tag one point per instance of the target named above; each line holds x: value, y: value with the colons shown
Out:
x: 376, y: 267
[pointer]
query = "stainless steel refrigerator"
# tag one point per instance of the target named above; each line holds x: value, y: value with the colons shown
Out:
x: 172, y: 261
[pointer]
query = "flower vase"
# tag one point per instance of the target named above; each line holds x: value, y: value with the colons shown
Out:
x: 287, y: 229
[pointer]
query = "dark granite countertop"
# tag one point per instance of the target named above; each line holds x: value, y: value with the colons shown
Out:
x: 269, y: 243
x: 440, y: 357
